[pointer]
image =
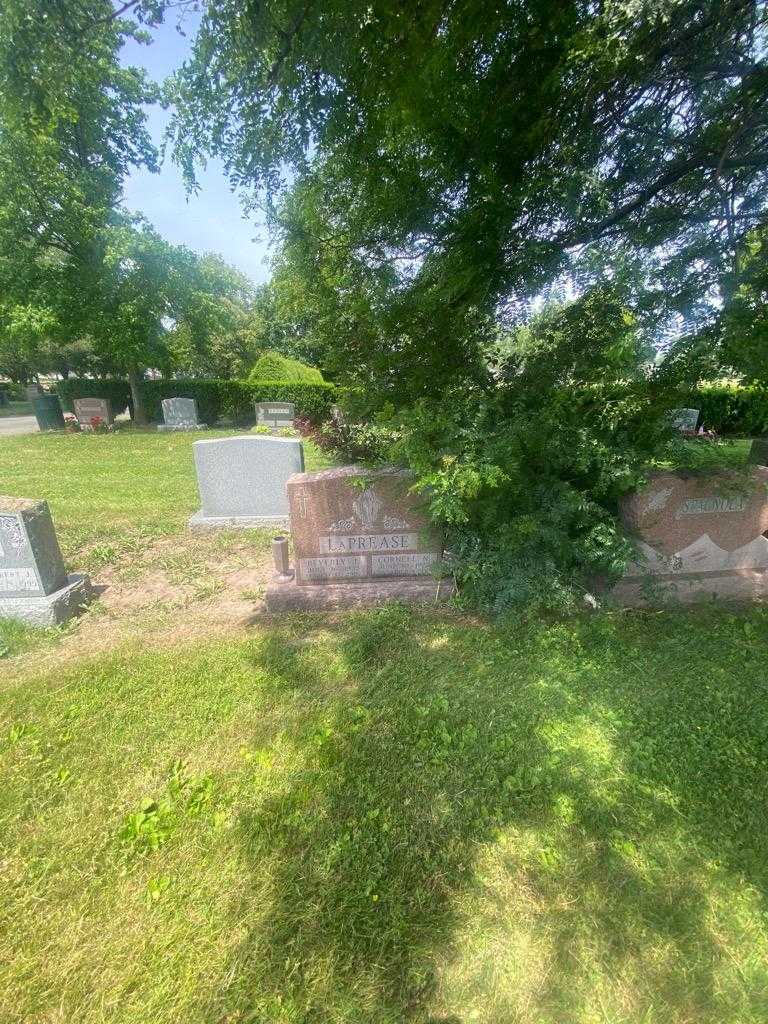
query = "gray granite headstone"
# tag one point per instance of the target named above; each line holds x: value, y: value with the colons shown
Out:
x: 275, y: 414
x: 34, y: 585
x: 685, y: 420
x: 89, y: 409
x: 180, y: 414
x: 242, y: 480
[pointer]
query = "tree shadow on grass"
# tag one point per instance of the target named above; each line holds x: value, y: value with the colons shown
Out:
x: 485, y: 826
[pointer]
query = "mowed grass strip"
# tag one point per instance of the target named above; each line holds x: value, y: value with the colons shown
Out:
x: 111, y: 495
x: 398, y: 817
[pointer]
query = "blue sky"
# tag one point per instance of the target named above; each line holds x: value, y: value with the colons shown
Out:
x: 211, y: 220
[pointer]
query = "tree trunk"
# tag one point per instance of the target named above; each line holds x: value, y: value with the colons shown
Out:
x: 135, y: 378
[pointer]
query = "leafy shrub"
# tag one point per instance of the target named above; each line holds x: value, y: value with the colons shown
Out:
x: 733, y: 408
x: 357, y: 442
x: 274, y: 366
x: 526, y: 472
x: 117, y: 392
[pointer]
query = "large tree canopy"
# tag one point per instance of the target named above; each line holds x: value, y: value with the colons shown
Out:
x: 460, y: 153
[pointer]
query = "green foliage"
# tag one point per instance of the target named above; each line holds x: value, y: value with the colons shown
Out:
x: 744, y: 323
x: 274, y: 366
x: 447, y: 161
x: 733, y: 408
x: 116, y: 391
x: 358, y: 442
x: 526, y: 475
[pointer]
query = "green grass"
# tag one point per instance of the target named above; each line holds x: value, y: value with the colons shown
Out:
x: 705, y: 456
x: 384, y: 817
x: 16, y: 409
x: 111, y: 495
x: 18, y: 638
x: 399, y: 817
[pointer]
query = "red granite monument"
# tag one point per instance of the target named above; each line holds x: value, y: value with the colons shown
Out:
x: 360, y: 537
x: 698, y: 536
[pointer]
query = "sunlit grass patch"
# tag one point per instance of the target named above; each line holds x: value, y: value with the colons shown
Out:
x: 391, y: 817
x: 112, y: 495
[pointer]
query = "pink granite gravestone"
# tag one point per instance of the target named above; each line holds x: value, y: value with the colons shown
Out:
x: 698, y: 536
x: 359, y: 537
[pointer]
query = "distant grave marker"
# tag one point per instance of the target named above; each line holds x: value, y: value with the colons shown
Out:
x: 180, y: 414
x: 685, y: 420
x: 276, y: 415
x: 93, y: 410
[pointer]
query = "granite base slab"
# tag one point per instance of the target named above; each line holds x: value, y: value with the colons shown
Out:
x: 743, y: 585
x: 200, y: 522
x: 284, y: 597
x: 166, y: 428
x: 52, y: 610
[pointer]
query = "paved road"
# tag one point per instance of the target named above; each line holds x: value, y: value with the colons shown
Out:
x: 18, y: 425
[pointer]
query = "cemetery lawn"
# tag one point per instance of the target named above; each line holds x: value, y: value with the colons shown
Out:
x: 392, y: 817
x: 111, y: 495
x: 212, y: 816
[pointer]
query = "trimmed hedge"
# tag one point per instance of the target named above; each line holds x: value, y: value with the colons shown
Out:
x: 116, y: 391
x: 215, y: 398
x: 274, y: 366
x: 733, y: 408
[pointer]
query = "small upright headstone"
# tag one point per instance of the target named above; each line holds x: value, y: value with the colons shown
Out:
x: 34, y: 586
x: 180, y: 414
x: 4, y: 399
x: 685, y: 420
x: 275, y: 414
x: 242, y: 480
x: 93, y: 411
x: 360, y: 537
x: 698, y: 536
